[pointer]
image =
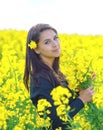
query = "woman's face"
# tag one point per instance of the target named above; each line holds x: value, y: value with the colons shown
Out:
x: 49, y: 44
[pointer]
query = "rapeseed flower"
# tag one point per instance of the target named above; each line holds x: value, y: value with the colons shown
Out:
x: 32, y: 45
x: 76, y: 53
x: 60, y: 95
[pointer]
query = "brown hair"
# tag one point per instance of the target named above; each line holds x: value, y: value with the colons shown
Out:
x: 34, y: 67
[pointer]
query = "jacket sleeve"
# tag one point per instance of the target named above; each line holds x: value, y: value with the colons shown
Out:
x: 76, y: 105
x: 41, y: 91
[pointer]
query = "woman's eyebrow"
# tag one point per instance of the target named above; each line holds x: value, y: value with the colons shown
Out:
x: 48, y: 38
x: 45, y: 40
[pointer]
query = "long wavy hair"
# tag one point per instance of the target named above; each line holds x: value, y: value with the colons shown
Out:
x: 34, y: 67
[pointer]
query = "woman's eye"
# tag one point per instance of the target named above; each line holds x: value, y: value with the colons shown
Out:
x: 50, y: 40
x: 47, y: 42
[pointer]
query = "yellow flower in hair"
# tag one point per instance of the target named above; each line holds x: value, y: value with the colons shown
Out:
x: 32, y: 45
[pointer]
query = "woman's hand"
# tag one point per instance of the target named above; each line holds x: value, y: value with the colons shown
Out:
x: 86, y: 95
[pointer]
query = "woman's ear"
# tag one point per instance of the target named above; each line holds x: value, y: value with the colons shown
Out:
x: 37, y: 51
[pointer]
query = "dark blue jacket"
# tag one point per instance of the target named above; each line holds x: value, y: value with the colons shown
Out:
x: 43, y: 91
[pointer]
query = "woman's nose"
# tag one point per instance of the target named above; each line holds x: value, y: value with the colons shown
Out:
x: 54, y: 43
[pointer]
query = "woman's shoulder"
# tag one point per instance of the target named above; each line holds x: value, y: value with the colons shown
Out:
x: 40, y: 82
x: 41, y: 88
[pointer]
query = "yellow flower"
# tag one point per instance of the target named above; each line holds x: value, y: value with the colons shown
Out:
x: 32, y: 45
x: 41, y: 122
x: 59, y: 128
x: 60, y: 95
x: 42, y: 104
x: 62, y: 112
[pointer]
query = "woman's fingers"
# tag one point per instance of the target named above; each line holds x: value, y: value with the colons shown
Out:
x: 91, y: 90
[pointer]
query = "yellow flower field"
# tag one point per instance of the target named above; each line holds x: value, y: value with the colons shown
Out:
x: 78, y: 53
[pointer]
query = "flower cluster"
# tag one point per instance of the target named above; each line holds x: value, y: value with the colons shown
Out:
x: 42, y: 119
x: 61, y: 96
x: 32, y: 45
x: 42, y: 106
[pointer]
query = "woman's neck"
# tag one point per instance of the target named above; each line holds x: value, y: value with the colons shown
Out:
x: 48, y: 61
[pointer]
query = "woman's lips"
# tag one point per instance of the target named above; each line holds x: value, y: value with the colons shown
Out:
x: 56, y: 50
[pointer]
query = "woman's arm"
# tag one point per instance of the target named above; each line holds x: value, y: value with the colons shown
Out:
x: 43, y: 91
x: 76, y: 105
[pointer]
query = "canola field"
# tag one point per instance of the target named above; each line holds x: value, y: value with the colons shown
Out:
x: 79, y: 54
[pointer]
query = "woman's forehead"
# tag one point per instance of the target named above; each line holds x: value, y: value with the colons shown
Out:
x: 47, y: 34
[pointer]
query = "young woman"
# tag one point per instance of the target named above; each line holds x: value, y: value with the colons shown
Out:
x: 42, y: 68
